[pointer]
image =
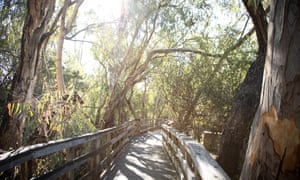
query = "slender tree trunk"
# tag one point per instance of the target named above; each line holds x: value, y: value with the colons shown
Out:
x: 64, y: 29
x: 131, y: 109
x: 34, y: 35
x: 59, y: 68
x: 237, y: 128
x: 273, y: 147
x: 144, y: 99
x: 97, y: 122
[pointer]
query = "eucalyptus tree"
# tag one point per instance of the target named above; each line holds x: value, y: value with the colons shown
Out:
x: 40, y: 23
x: 35, y: 32
x: 126, y: 54
x: 273, y: 147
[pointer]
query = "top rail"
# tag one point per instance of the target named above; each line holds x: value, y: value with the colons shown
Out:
x: 23, y: 154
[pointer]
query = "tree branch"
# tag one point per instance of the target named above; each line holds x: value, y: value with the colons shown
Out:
x: 258, y: 16
x: 73, y: 16
x: 88, y: 27
x: 181, y: 50
x: 80, y: 40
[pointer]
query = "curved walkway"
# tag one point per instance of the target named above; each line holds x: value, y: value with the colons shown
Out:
x: 143, y: 158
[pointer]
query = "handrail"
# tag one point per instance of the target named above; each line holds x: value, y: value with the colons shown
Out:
x: 96, y: 151
x: 190, y: 158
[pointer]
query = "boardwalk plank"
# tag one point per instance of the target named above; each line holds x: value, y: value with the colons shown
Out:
x: 142, y: 159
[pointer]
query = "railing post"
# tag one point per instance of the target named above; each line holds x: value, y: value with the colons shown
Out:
x: 95, y: 161
x: 69, y: 157
x: 26, y: 170
x: 138, y: 126
x: 127, y: 132
x: 110, y: 148
x: 102, y: 154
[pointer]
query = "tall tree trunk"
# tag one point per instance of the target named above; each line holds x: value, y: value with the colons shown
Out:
x: 59, y: 68
x: 144, y: 100
x: 237, y: 128
x: 34, y: 35
x: 273, y: 147
x: 114, y: 102
x: 64, y: 29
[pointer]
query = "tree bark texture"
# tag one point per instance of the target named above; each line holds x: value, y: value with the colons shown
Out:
x: 34, y: 35
x: 237, y: 128
x: 273, y: 147
x: 115, y: 99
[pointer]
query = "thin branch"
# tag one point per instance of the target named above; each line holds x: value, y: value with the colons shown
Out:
x: 238, y: 43
x: 182, y: 50
x: 83, y: 41
x: 244, y: 28
x: 89, y: 27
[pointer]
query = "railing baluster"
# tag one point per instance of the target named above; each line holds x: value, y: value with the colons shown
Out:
x: 26, y: 170
x: 69, y: 156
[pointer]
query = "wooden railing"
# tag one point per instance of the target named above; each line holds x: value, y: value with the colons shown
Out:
x: 86, y: 156
x: 90, y: 155
x: 190, y: 158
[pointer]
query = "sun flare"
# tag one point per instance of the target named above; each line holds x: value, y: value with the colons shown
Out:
x: 105, y: 9
x: 94, y: 12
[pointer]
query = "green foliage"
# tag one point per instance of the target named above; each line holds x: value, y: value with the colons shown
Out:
x: 181, y: 76
x: 175, y: 79
x: 55, y: 117
x: 11, y: 18
x: 120, y: 48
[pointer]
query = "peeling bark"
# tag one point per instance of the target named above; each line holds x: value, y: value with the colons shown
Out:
x: 273, y: 147
x: 285, y: 138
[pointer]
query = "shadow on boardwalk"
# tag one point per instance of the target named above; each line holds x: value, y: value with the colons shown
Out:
x: 142, y: 159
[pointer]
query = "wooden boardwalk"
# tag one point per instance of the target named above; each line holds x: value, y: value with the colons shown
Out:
x: 143, y: 158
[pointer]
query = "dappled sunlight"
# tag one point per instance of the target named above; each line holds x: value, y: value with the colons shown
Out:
x: 144, y: 158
